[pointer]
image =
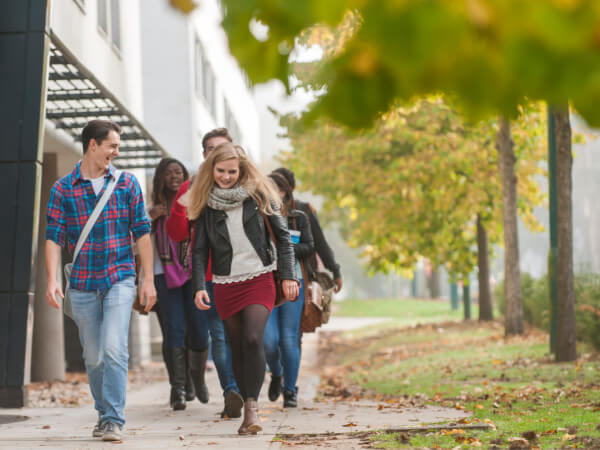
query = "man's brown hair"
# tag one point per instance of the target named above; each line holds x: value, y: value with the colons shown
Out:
x: 97, y: 130
x: 217, y: 132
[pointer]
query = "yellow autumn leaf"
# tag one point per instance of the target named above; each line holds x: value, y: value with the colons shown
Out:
x: 185, y: 6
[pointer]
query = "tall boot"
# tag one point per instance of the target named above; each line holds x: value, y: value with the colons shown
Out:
x: 197, y: 364
x: 176, y: 357
x: 190, y: 392
x: 168, y: 364
x: 251, y: 420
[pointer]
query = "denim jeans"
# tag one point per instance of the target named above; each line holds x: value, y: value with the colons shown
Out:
x: 221, y: 351
x: 281, y: 341
x: 103, y: 322
x: 179, y: 314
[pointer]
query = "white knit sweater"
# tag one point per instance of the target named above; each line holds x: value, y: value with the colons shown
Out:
x: 246, y: 263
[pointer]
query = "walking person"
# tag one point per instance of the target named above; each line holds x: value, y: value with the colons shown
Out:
x: 172, y: 277
x: 180, y: 229
x: 102, y: 282
x: 322, y: 248
x: 283, y: 328
x: 233, y: 205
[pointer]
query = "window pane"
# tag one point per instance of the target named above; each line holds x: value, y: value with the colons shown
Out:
x: 115, y: 23
x: 198, y: 67
x: 102, y: 23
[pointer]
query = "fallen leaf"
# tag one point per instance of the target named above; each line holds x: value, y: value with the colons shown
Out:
x: 349, y: 424
x: 529, y: 435
x: 518, y: 442
x: 45, y: 427
x: 181, y: 437
x: 568, y: 437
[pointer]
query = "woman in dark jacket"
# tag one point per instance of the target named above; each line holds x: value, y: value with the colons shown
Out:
x: 283, y: 328
x: 230, y: 200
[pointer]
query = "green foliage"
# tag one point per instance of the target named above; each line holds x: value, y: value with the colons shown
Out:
x: 491, y: 54
x: 412, y: 185
x: 536, y: 304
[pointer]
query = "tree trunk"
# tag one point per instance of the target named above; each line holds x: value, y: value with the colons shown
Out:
x: 466, y: 299
x: 513, y: 314
x: 483, y: 273
x: 434, y: 283
x: 565, y: 338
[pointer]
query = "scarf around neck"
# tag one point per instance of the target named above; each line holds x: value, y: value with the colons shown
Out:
x: 227, y: 199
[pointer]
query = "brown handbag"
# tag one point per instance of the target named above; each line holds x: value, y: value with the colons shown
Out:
x: 279, y: 297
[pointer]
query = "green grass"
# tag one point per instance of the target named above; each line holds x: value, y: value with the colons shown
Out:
x: 513, y: 383
x: 401, y: 312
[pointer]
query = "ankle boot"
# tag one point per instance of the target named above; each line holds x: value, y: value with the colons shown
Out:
x: 274, y: 388
x: 290, y: 399
x: 176, y: 358
x: 197, y: 363
x: 251, y: 416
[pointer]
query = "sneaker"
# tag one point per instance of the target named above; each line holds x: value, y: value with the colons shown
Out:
x: 290, y: 399
x: 233, y: 404
x: 112, y: 432
x: 99, y: 429
x: 274, y: 388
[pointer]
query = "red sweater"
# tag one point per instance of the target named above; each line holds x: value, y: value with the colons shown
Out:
x: 178, y: 225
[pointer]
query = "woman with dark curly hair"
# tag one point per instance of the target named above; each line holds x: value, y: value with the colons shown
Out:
x: 172, y: 276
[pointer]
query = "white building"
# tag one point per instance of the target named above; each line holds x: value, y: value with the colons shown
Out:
x: 191, y: 83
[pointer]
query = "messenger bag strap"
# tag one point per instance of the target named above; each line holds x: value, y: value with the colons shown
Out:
x: 95, y: 214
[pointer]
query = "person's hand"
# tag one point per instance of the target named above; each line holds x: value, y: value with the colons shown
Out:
x: 338, y: 285
x: 52, y: 290
x: 148, y: 294
x: 290, y: 289
x: 157, y: 211
x: 202, y: 300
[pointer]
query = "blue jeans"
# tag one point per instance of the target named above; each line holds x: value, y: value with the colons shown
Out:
x: 103, y: 322
x: 221, y: 351
x: 281, y: 341
x: 179, y: 314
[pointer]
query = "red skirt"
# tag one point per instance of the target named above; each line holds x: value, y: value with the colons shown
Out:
x: 231, y: 298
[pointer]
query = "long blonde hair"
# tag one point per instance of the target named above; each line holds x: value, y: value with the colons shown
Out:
x: 259, y: 187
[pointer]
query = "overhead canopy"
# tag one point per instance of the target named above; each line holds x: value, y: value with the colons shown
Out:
x: 75, y: 97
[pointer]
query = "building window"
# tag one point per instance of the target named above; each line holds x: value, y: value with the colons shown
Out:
x: 231, y: 124
x: 102, y: 17
x: 205, y: 81
x: 115, y: 23
x: 109, y: 21
x: 198, y: 67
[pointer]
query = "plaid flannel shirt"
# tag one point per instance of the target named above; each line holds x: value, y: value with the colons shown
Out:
x: 107, y: 255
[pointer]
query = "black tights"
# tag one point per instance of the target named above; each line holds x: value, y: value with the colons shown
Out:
x: 245, y: 332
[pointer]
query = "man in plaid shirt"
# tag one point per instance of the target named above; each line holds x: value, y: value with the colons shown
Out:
x: 102, y: 286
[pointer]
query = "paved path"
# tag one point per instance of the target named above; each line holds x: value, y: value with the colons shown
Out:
x: 152, y: 425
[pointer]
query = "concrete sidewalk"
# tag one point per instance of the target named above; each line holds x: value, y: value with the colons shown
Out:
x: 151, y: 424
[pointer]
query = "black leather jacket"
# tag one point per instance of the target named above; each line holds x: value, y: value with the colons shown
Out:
x: 212, y: 234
